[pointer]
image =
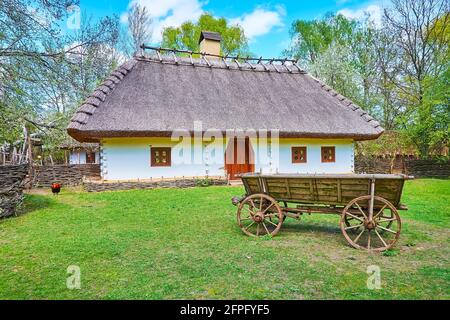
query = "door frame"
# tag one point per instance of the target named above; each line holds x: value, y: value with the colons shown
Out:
x: 234, y: 168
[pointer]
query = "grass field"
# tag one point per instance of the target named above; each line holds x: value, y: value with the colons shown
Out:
x: 185, y: 244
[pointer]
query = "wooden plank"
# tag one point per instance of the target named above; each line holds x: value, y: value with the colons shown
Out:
x: 275, y: 181
x: 356, y: 188
x: 339, y: 190
x: 277, y: 195
x: 322, y: 188
x: 264, y: 185
x: 311, y: 188
x: 354, y: 193
x: 295, y: 196
x: 248, y: 190
x: 287, y: 187
x: 260, y: 188
x: 348, y: 176
x: 327, y: 199
x: 399, y: 194
x: 276, y: 189
x: 389, y: 183
x: 326, y: 181
x: 300, y: 195
x: 277, y: 185
x: 298, y: 184
x: 327, y: 193
x: 253, y: 181
x: 354, y: 182
x: 300, y: 190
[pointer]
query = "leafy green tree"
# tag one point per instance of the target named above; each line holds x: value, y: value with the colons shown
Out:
x: 185, y: 37
x: 421, y: 31
x: 334, y: 67
x: 429, y: 125
x: 310, y: 38
x: 340, y: 52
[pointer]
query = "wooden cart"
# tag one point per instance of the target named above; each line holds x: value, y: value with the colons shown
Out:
x: 368, y: 204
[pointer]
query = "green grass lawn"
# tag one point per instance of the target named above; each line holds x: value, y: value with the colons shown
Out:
x: 185, y: 244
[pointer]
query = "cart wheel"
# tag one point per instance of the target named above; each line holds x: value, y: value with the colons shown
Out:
x: 259, y: 215
x: 379, y: 234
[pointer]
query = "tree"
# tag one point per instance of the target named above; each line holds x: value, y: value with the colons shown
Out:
x: 334, y: 67
x: 44, y: 71
x: 310, y: 38
x: 139, y: 29
x: 398, y: 72
x: 421, y: 29
x: 419, y: 39
x: 387, y: 64
x: 339, y: 51
x: 186, y: 36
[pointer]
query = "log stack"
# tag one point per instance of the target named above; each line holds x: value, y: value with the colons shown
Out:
x: 12, y: 182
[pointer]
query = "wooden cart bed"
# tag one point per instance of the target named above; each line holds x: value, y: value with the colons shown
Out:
x: 367, y: 203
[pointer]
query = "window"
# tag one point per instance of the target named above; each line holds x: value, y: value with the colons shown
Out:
x: 160, y: 157
x: 90, y: 157
x: 328, y: 154
x: 298, y: 154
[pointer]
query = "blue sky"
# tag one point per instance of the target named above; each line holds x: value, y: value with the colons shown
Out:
x: 266, y: 23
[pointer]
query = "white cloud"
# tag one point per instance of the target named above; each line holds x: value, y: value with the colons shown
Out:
x: 373, y: 10
x: 341, y: 2
x: 260, y: 21
x: 167, y: 13
x: 173, y: 13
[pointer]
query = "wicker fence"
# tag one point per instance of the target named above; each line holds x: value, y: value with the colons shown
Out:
x: 419, y: 168
x: 12, y: 183
x: 67, y: 175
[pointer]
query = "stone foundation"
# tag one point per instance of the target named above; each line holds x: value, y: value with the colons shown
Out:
x: 97, y: 186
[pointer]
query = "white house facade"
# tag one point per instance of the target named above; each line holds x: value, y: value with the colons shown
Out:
x: 84, y: 157
x: 130, y: 159
x: 81, y: 153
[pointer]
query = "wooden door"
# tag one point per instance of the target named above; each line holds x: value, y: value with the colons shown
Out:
x: 239, y: 157
x: 90, y: 157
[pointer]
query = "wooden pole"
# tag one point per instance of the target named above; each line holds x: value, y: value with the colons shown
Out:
x: 372, y: 198
x: 30, y: 157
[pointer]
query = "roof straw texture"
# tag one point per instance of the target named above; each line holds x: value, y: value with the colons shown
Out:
x: 154, y: 95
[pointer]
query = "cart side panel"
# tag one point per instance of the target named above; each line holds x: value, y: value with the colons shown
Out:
x: 353, y: 188
x: 277, y: 188
x: 295, y: 189
x: 327, y: 191
x: 390, y: 190
x: 252, y: 185
x: 323, y: 190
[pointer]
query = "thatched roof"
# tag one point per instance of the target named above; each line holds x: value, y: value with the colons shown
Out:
x: 152, y: 96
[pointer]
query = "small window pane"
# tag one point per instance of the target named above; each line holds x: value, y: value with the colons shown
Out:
x: 160, y: 157
x: 299, y: 155
x: 328, y: 154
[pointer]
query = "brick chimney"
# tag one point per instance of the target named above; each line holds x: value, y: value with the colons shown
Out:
x: 210, y: 43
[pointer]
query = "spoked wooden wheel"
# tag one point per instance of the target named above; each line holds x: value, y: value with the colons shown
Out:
x: 378, y: 234
x: 349, y: 221
x: 259, y: 215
